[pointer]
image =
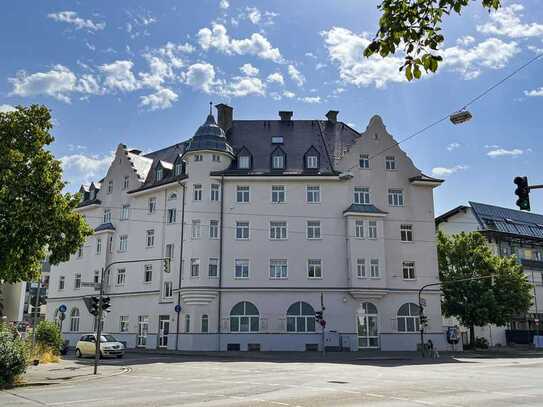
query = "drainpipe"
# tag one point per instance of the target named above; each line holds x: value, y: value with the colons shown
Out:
x: 219, y: 300
x: 180, y: 265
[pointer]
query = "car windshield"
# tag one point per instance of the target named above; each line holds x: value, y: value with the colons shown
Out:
x: 107, y: 338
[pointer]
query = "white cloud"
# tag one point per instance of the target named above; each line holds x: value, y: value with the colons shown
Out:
x: 276, y: 77
x: 310, y: 55
x: 444, y: 171
x: 254, y: 15
x: 311, y: 99
x: 161, y: 99
x: 119, y: 76
x: 70, y: 17
x: 347, y: 48
x: 288, y: 94
x: 465, y: 40
x: 59, y: 82
x: 453, y: 146
x: 249, y: 70
x: 492, y: 53
x: 295, y: 75
x: 500, y: 152
x: 257, y: 17
x: 534, y: 92
x: 6, y: 108
x: 200, y: 76
x: 244, y: 86
x: 218, y: 38
x: 319, y: 66
x: 89, y: 84
x: 224, y: 4
x: 506, y: 21
x: 82, y: 169
x: 159, y: 72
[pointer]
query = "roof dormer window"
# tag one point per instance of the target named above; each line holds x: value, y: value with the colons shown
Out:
x: 178, y: 168
x: 244, y: 162
x: 159, y: 173
x: 312, y: 162
x: 278, y: 159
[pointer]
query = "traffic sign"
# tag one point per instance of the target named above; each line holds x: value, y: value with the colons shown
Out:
x: 62, y: 308
x: 178, y: 308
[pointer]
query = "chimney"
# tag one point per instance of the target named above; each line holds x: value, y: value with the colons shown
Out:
x: 285, y: 115
x: 224, y: 116
x: 332, y: 116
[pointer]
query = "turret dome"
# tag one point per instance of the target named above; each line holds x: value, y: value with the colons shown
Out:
x: 209, y: 136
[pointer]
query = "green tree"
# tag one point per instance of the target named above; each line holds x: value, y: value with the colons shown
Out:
x: 37, y: 220
x: 415, y: 27
x: 485, y: 301
x: 48, y: 334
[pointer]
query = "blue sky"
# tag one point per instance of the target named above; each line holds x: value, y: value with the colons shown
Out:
x: 142, y: 73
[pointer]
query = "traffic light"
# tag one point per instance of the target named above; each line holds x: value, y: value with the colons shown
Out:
x: 166, y: 265
x: 424, y: 320
x: 106, y: 304
x: 523, y: 193
x: 318, y: 315
x: 94, y: 305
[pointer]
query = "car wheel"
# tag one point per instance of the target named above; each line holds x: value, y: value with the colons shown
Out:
x: 77, y: 353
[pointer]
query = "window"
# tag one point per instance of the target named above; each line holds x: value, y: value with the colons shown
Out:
x: 241, y: 268
x: 61, y: 281
x: 216, y: 158
x: 278, y: 162
x: 96, y: 277
x: 395, y: 197
x: 143, y: 330
x: 195, y: 268
x: 242, y: 194
x: 147, y: 273
x: 374, y: 268
x: 408, y: 270
x: 178, y: 169
x: 169, y: 251
x: 123, y: 243
x: 390, y: 163
x: 312, y: 162
x: 107, y: 216
x: 242, y: 230
x: 98, y: 246
x: 197, y: 192
x: 277, y: 140
x: 372, y: 229
x: 168, y: 289
x: 110, y: 187
x: 204, y: 326
x: 244, y: 317
x: 359, y: 229
x: 364, y: 161
x: 123, y: 323
x: 172, y: 196
x: 300, y: 317
x: 361, y: 268
x: 126, y: 182
x: 361, y: 195
x: 244, y: 162
x: 77, y: 281
x: 314, y: 268
x: 313, y: 229
x: 152, y: 205
x: 172, y: 215
x: 406, y: 233
x: 195, y: 229
x: 279, y: 194
x: 74, y: 320
x: 124, y: 212
x: 159, y: 173
x: 187, y: 323
x: 213, y: 268
x: 215, y: 192
x: 150, y: 238
x: 198, y: 157
x: 213, y: 229
x: 408, y: 318
x: 278, y: 230
x: 121, y: 276
x: 278, y: 269
x: 313, y: 194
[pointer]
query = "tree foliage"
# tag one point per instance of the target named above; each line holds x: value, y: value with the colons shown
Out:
x: 485, y: 301
x: 13, y: 355
x: 37, y: 220
x: 48, y: 334
x: 415, y: 27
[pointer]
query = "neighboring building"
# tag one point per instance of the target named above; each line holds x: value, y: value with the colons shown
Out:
x: 508, y: 232
x: 266, y: 215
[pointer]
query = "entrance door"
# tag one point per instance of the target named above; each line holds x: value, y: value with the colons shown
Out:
x: 368, y: 328
x: 163, y: 330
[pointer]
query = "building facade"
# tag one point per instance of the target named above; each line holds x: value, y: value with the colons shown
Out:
x: 509, y: 232
x: 261, y: 219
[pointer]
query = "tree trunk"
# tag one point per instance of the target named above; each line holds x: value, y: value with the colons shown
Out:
x: 472, y: 336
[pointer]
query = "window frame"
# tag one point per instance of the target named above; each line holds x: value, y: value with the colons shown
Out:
x: 283, y: 271
x: 280, y: 190
x: 243, y: 226
x: 315, y: 227
x: 278, y: 230
x: 195, y: 266
x: 396, y: 197
x: 314, y: 192
x: 407, y: 233
x: 359, y: 229
x: 147, y: 273
x: 243, y: 194
x: 245, y: 267
x: 150, y: 238
x: 215, y: 262
x: 410, y: 267
x: 361, y: 195
x: 390, y: 163
x: 311, y: 269
x: 364, y: 158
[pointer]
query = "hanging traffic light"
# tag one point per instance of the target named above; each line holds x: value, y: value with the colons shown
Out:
x: 523, y: 193
x: 106, y: 304
x: 94, y: 305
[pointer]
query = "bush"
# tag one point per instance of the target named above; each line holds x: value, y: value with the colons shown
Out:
x: 481, y: 343
x: 48, y: 335
x: 13, y: 354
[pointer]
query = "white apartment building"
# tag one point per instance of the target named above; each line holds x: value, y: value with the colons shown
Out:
x: 259, y: 217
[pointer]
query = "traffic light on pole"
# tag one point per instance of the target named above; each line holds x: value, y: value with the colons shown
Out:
x: 94, y: 303
x: 318, y: 315
x: 166, y: 265
x: 424, y: 320
x: 523, y: 193
x: 106, y: 304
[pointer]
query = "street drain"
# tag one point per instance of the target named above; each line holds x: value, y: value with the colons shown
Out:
x: 337, y: 382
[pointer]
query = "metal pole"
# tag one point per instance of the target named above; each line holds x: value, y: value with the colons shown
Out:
x: 99, y: 323
x: 535, y: 305
x: 421, y: 312
x: 180, y: 266
x: 322, y: 325
x: 34, y: 309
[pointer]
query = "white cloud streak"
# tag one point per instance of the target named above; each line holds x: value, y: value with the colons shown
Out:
x: 296, y: 75
x: 444, y: 171
x: 506, y: 21
x: 71, y: 17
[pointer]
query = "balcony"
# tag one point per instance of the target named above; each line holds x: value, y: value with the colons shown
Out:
x: 532, y: 264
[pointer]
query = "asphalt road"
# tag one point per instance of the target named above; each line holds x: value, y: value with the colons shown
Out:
x: 154, y: 380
